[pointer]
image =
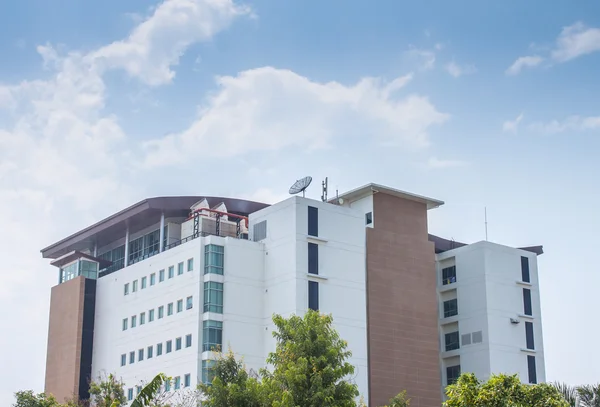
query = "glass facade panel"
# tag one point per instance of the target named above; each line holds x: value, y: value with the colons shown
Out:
x: 207, y: 371
x: 213, y: 297
x: 180, y: 269
x: 144, y: 247
x: 117, y: 256
x: 212, y: 335
x: 89, y: 269
x: 214, y: 259
x: 69, y: 272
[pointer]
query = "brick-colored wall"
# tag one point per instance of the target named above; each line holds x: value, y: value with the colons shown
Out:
x: 63, y: 361
x: 402, y: 305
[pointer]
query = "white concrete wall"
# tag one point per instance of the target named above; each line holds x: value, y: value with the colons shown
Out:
x: 110, y: 341
x: 342, y: 288
x: 489, y: 294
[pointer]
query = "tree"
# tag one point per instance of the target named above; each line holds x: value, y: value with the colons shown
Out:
x: 231, y: 385
x: 147, y: 395
x: 107, y: 390
x: 28, y: 398
x: 501, y: 391
x: 310, y: 367
x: 400, y: 400
x: 589, y: 395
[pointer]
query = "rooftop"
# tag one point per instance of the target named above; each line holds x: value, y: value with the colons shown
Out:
x: 372, y: 188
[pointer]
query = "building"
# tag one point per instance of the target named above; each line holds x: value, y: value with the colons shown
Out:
x: 161, y: 284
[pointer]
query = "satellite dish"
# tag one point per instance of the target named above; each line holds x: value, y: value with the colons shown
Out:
x: 300, y: 186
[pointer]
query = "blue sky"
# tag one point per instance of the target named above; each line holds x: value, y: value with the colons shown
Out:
x: 476, y: 103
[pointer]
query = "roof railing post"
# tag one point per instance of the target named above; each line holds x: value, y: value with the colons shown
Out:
x: 162, y: 232
x: 127, y: 246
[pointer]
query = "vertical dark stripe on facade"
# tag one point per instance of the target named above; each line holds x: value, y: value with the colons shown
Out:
x: 87, y: 339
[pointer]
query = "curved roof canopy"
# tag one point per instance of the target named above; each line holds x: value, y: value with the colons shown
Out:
x: 139, y: 216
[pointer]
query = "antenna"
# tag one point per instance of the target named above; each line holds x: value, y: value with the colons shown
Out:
x: 300, y: 186
x: 324, y: 187
x: 485, y: 217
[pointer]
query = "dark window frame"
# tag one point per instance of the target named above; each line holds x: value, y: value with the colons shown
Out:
x: 452, y: 374
x: 313, y: 221
x: 452, y: 341
x: 313, y: 258
x: 531, y: 369
x: 449, y: 275
x: 450, y: 311
x: 529, y: 337
x: 527, y: 305
x: 313, y: 295
x: 525, y: 274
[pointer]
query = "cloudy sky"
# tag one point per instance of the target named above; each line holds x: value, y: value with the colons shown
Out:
x: 480, y: 104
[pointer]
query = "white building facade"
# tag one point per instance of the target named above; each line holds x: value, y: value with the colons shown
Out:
x: 164, y: 284
x: 490, y: 315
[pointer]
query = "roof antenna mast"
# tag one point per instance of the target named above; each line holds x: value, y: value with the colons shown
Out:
x: 485, y: 218
x: 324, y: 194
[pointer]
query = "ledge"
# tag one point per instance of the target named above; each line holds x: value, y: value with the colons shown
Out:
x: 528, y: 350
x: 317, y: 276
x: 524, y: 283
x: 316, y: 239
x: 526, y: 316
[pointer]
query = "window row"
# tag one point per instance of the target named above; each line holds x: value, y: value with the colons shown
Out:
x: 144, y: 281
x: 126, y: 324
x: 187, y: 382
x: 148, y: 352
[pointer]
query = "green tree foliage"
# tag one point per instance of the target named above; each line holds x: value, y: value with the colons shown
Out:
x: 231, y: 385
x: 105, y: 391
x: 400, y: 400
x: 310, y: 365
x: 501, y: 391
x: 147, y: 395
x: 28, y: 398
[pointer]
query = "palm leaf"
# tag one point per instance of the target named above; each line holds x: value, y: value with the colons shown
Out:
x: 589, y: 395
x: 569, y: 393
x: 149, y: 391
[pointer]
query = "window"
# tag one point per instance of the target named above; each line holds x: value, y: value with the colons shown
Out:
x: 313, y: 221
x: 142, y: 318
x: 213, y: 297
x: 527, y: 301
x: 161, y: 311
x: 158, y: 349
x: 168, y: 385
x: 368, y: 218
x: 125, y: 321
x: 213, y: 259
x: 88, y: 269
x: 144, y: 280
x: 179, y: 305
x: 117, y: 256
x: 152, y: 279
x: 169, y: 346
x: 140, y: 355
x: 531, y: 369
x: 170, y: 309
x: 529, y: 335
x: 189, y: 302
x: 178, y: 343
x: 151, y: 315
x: 260, y: 231
x: 187, y: 380
x: 149, y: 352
x: 313, y: 258
x: 449, y: 275
x: 313, y: 295
x: 190, y: 264
x: 212, y: 335
x: 144, y: 247
x: 177, y: 382
x: 180, y: 269
x: 525, y: 269
x: 138, y: 389
x: 129, y: 394
x: 69, y: 272
x: 171, y: 271
x: 452, y: 341
x: 452, y: 374
x: 207, y: 371
x: 133, y: 321
x: 126, y: 289
x: 188, y: 340
x: 131, y: 357
x: 123, y: 359
x: 161, y: 276
x: 450, y: 308
x: 134, y: 288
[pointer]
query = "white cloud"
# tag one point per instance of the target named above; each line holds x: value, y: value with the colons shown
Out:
x: 571, y: 123
x: 158, y: 42
x: 425, y: 59
x: 456, y: 70
x: 276, y: 109
x: 524, y: 62
x: 512, y: 125
x: 576, y: 40
x: 437, y: 163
